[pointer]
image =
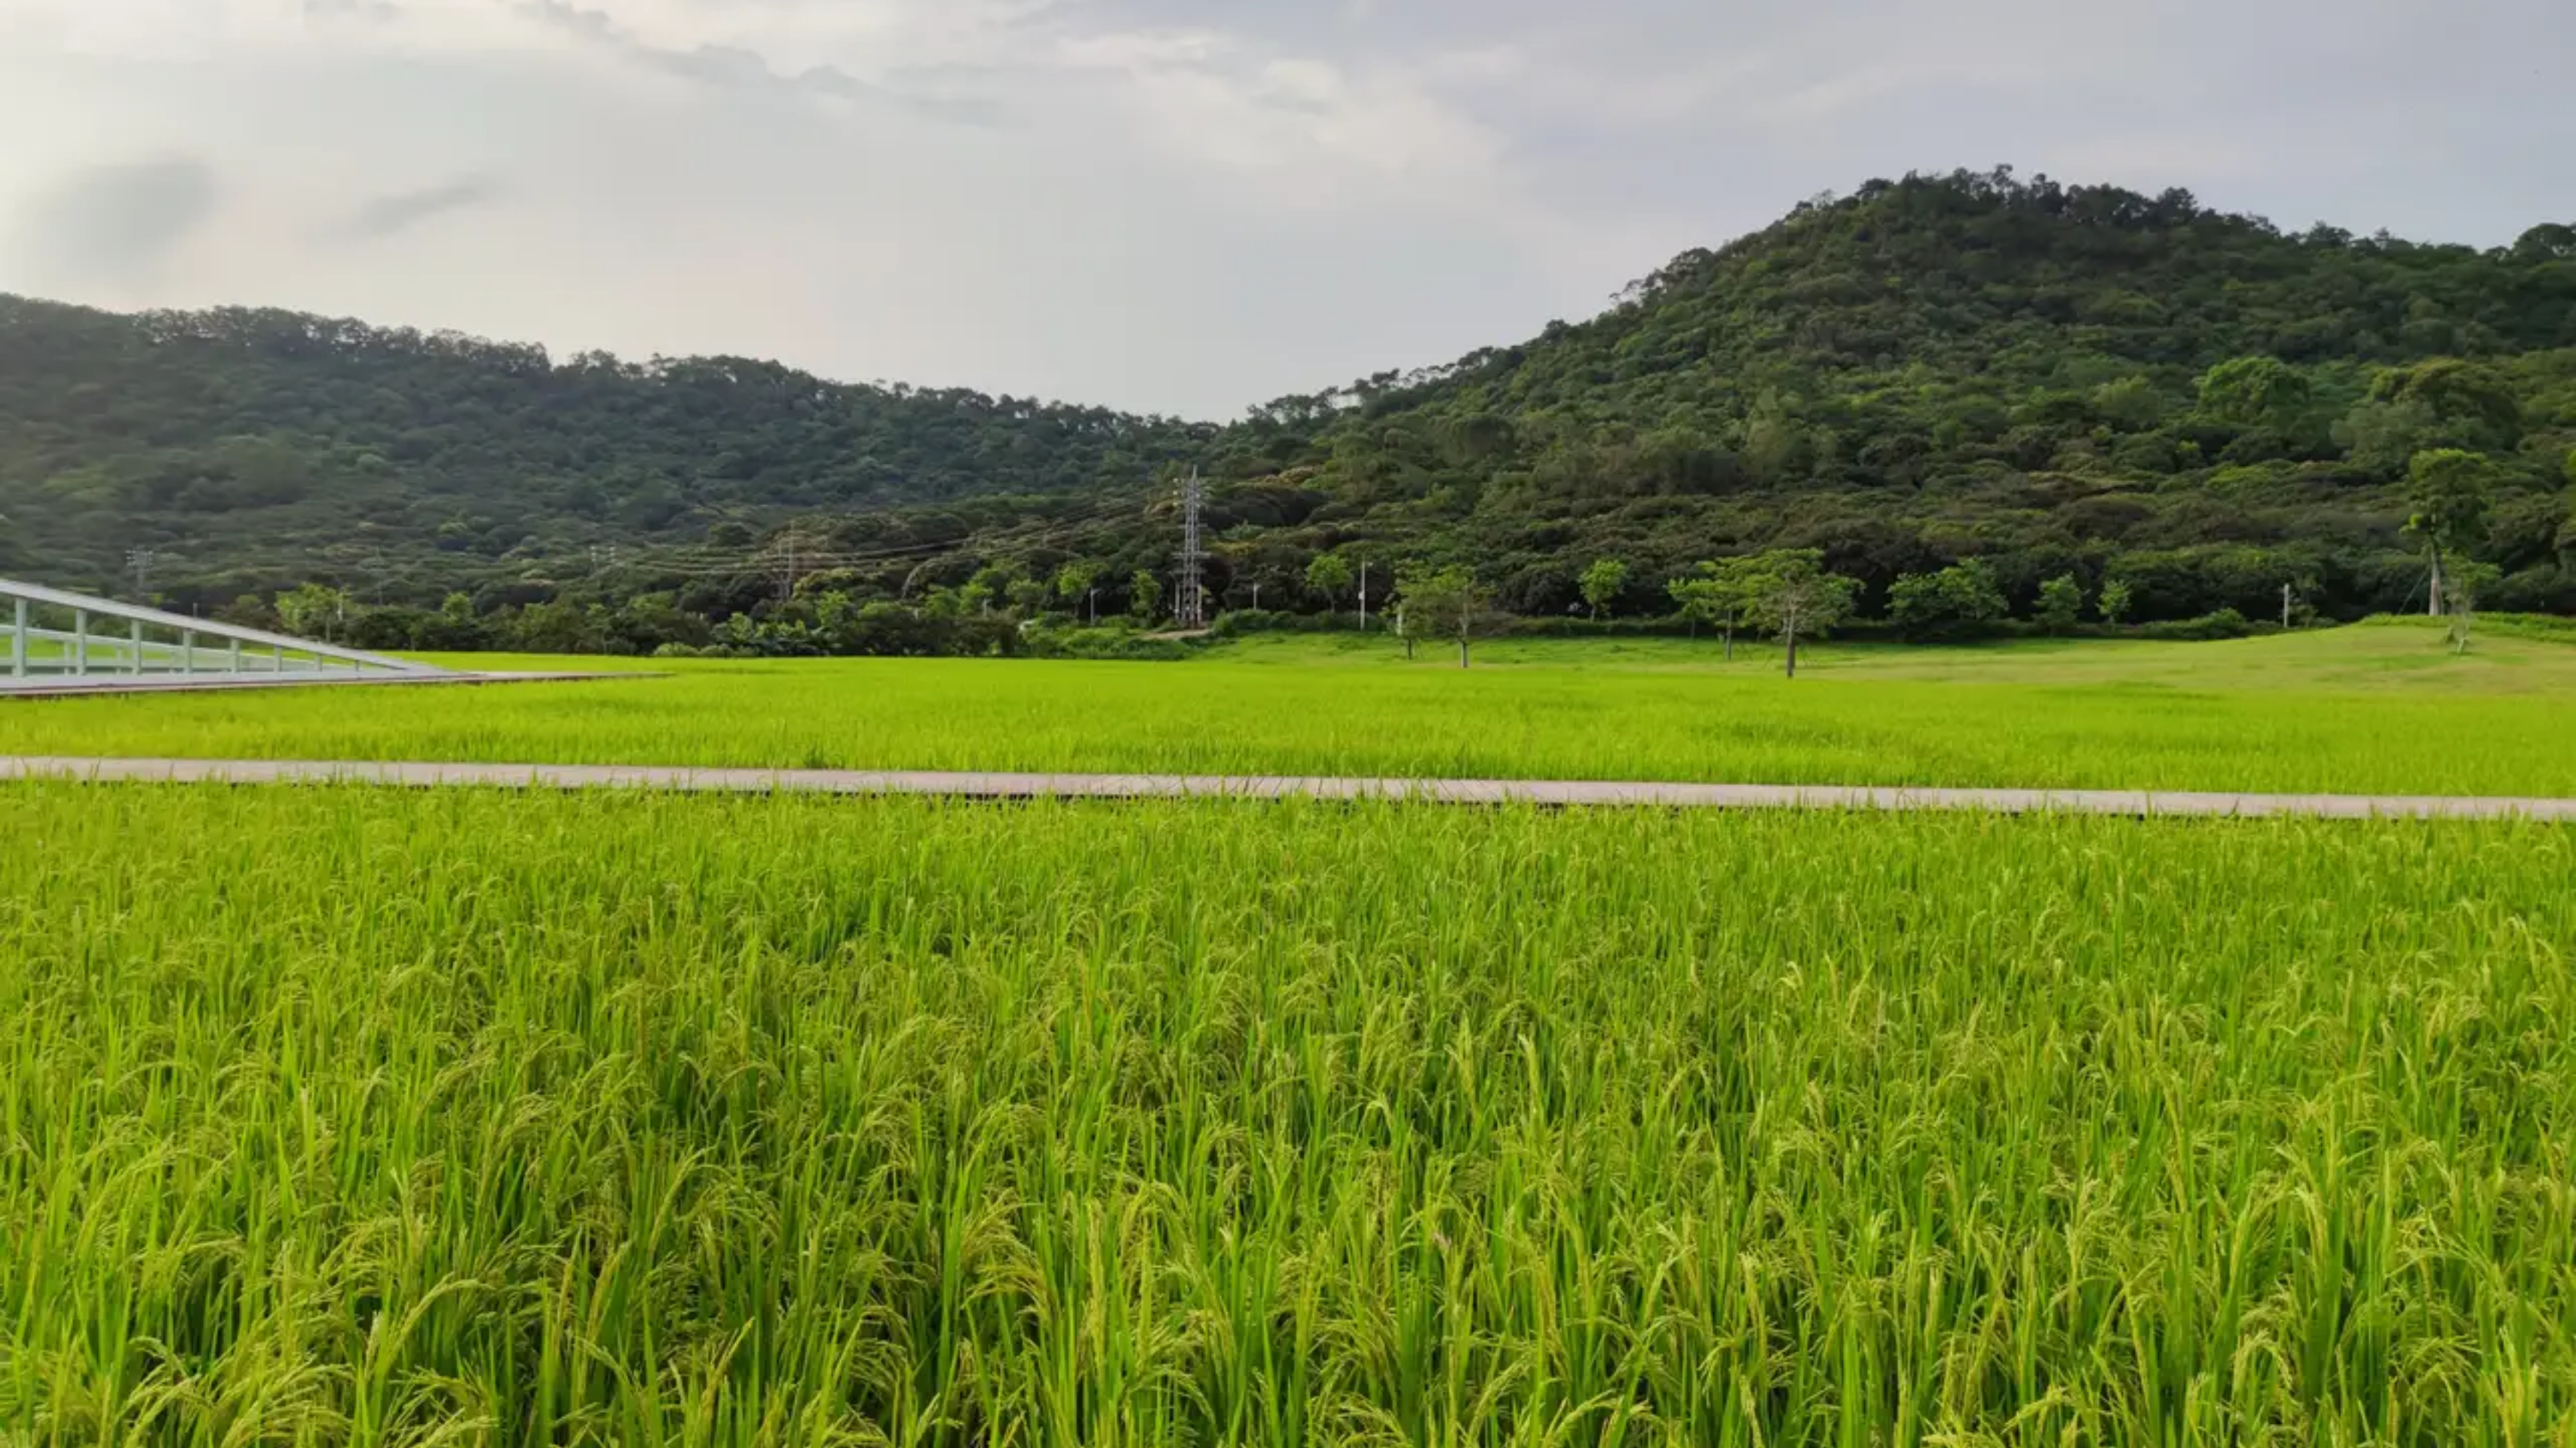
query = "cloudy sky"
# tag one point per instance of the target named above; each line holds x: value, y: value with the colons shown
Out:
x: 1171, y: 205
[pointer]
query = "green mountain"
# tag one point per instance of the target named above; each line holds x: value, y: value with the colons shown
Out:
x: 1972, y: 366
x: 264, y: 447
x: 2052, y: 379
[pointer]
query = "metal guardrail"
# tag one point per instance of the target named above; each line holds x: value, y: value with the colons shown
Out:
x: 156, y: 644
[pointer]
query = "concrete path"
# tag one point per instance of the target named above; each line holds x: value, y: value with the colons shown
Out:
x: 1173, y: 786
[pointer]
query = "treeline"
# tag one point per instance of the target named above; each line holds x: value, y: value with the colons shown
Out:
x: 980, y: 619
x: 1000, y: 615
x: 2052, y: 382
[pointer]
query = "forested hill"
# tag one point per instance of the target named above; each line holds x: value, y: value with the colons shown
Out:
x: 266, y: 444
x: 2052, y: 379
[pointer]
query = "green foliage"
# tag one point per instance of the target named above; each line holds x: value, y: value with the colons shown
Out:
x: 1942, y: 366
x: 2457, y: 394
x: 2061, y: 603
x: 313, y: 611
x: 1602, y: 584
x: 1028, y: 595
x: 1329, y: 576
x: 2379, y: 437
x: 280, y: 447
x: 2047, y: 377
x: 1720, y: 593
x: 1956, y: 600
x: 1792, y: 594
x: 2132, y: 403
x: 1444, y: 602
x: 1145, y: 596
x: 2254, y: 392
x: 2450, y: 492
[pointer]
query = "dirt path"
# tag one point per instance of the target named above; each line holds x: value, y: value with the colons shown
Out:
x: 1163, y: 786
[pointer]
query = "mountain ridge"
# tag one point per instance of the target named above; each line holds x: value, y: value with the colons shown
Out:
x: 1944, y: 367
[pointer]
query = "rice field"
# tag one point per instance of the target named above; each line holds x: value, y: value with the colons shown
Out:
x: 332, y: 1116
x: 2360, y: 710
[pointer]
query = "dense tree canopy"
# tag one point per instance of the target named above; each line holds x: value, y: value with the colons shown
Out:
x: 262, y: 446
x: 2179, y: 411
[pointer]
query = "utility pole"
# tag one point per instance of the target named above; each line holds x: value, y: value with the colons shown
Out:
x: 2285, y: 606
x: 1189, y: 611
x: 141, y: 561
x: 1363, y: 598
x: 1256, y: 598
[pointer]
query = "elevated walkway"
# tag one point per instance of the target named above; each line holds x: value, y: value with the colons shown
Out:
x: 55, y: 642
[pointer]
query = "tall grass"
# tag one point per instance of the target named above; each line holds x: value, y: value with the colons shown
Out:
x: 1219, y: 717
x: 331, y: 1116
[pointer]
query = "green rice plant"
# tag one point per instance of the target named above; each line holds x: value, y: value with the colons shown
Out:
x: 2375, y: 710
x: 332, y: 1116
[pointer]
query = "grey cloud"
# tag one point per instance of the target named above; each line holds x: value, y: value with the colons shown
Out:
x: 119, y: 223
x: 1567, y: 148
x: 387, y: 215
x: 371, y: 11
x: 728, y: 67
x: 957, y: 110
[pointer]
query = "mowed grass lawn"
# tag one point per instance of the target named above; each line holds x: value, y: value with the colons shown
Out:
x: 2379, y: 709
x: 339, y: 1116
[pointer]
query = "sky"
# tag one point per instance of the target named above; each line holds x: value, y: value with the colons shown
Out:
x: 1174, y: 206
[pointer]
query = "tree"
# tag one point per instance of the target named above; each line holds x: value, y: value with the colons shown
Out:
x: 2254, y: 392
x: 1076, y: 582
x: 1029, y: 596
x: 1328, y: 575
x: 1775, y: 445
x: 2061, y: 603
x: 2132, y: 403
x: 990, y: 584
x: 1602, y: 583
x: 2468, y: 581
x: 2116, y: 601
x: 1720, y: 594
x: 1794, y: 597
x: 249, y: 610
x: 1144, y: 596
x: 2473, y: 404
x: 1956, y: 600
x: 1445, y: 601
x: 2448, y: 492
x: 312, y: 611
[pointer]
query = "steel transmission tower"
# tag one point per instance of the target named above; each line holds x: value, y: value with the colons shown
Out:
x: 1189, y: 610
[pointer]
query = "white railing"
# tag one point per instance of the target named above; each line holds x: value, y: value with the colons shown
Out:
x: 52, y: 635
